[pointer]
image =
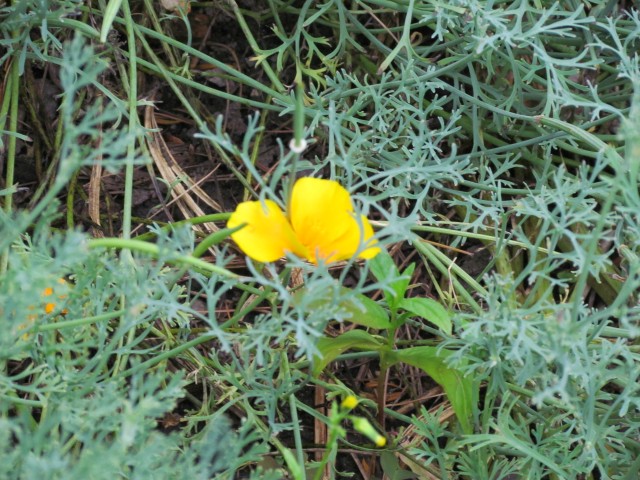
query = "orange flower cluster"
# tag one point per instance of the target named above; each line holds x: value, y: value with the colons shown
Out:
x: 49, y: 307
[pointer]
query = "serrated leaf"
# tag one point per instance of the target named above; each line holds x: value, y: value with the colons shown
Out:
x: 430, y: 310
x: 331, y: 347
x: 460, y: 390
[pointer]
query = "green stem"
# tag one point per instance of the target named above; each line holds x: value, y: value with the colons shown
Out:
x: 4, y: 108
x: 254, y: 46
x: 447, y: 267
x: 298, y: 115
x: 326, y: 456
x: 381, y: 388
x: 297, y: 437
x: 71, y: 195
x: 161, y: 38
x: 76, y: 322
x: 167, y: 227
x: 459, y: 233
x: 211, y: 240
x: 154, y: 250
x: 255, y: 152
x: 168, y: 354
x: 133, y: 121
x: 405, y: 40
x: 13, y: 88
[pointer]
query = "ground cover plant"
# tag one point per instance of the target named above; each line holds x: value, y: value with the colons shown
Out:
x: 309, y: 240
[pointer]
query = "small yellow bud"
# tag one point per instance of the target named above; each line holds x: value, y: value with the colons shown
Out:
x: 350, y: 402
x: 363, y: 426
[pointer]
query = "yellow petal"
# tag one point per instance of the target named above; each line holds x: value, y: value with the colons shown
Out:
x: 367, y: 240
x: 356, y: 237
x: 324, y: 222
x: 267, y: 235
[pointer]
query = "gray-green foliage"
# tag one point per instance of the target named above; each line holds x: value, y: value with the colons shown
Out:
x: 455, y: 121
x: 73, y: 398
x: 77, y: 400
x: 549, y: 348
x: 450, y: 125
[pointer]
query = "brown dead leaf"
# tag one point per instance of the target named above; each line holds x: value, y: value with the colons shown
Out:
x: 183, y: 188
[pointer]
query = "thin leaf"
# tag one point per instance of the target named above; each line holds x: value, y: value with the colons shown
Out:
x: 109, y: 16
x: 294, y: 467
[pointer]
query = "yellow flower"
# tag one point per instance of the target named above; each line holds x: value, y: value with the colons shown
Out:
x: 320, y: 225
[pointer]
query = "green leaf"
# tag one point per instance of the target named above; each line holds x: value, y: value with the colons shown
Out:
x: 460, y: 390
x: 430, y: 310
x: 366, y: 312
x: 331, y: 347
x: 362, y: 309
x: 383, y: 267
x: 400, y: 286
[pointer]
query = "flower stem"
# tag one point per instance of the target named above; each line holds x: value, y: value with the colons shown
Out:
x: 381, y: 389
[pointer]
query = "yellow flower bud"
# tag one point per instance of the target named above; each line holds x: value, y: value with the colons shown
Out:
x: 350, y: 402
